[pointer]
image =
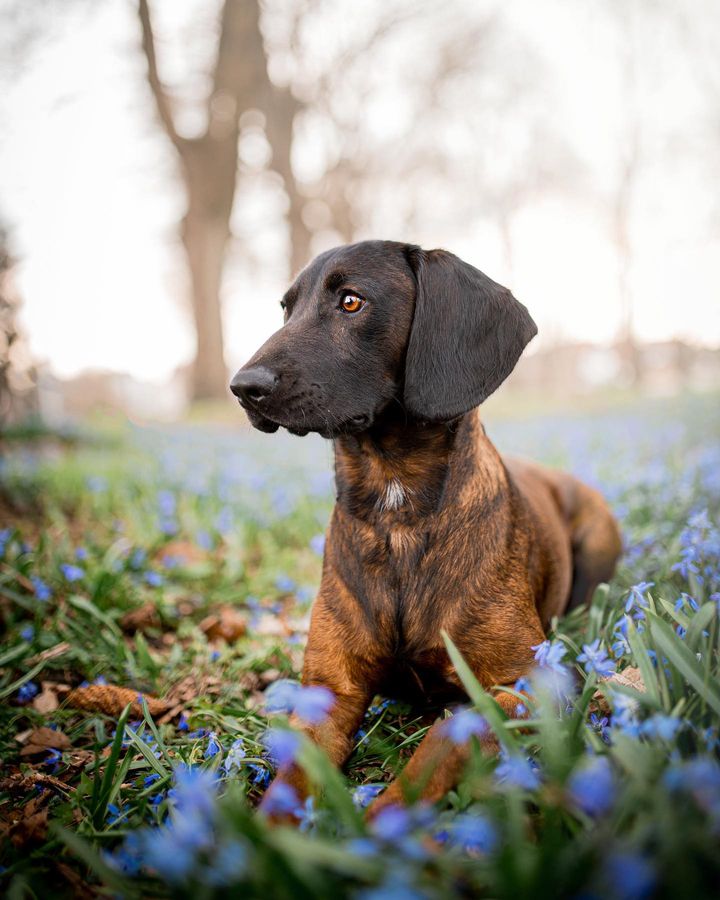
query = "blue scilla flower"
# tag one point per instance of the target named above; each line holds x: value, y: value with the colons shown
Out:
x: 396, y: 886
x: 149, y: 780
x: 154, y: 579
x: 463, y: 725
x: 27, y: 633
x: 313, y: 704
x: 282, y: 746
x: 595, y: 659
x: 282, y: 800
x: 364, y: 794
x: 261, y: 775
x: 27, y: 691
x: 42, y: 591
x: 661, y: 726
x: 629, y: 875
x: 637, y: 601
x: 518, y: 771
x: 195, y: 790
x: 213, y: 746
x: 592, y: 787
x: 474, y: 832
x: 71, y: 572
x: 235, y: 756
x: 138, y: 558
x: 228, y: 865
x: 96, y: 484
x: 317, y: 544
x: 392, y: 823
x: 284, y: 584
x: 280, y: 696
x: 167, y: 504
x: 549, y: 655
x: 183, y: 724
x: 5, y: 535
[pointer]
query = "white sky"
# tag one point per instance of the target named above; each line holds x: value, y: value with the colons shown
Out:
x: 86, y: 184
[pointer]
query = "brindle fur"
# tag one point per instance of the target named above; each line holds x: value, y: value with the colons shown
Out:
x: 432, y: 531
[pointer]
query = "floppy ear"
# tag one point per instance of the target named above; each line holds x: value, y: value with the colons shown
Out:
x: 467, y: 334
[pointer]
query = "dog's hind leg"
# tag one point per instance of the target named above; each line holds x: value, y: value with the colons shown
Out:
x: 596, y: 544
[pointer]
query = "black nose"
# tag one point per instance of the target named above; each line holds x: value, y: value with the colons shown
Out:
x: 253, y: 385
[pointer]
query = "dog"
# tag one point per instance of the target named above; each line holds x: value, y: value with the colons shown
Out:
x: 387, y: 350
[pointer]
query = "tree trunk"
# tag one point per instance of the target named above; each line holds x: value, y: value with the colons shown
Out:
x: 205, y: 241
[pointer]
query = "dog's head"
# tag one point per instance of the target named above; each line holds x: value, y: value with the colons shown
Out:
x: 376, y: 323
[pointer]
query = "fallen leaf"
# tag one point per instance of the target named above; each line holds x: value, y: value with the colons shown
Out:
x: 226, y: 624
x: 184, y: 551
x: 145, y: 616
x: 40, y: 740
x: 629, y: 677
x: 46, y: 701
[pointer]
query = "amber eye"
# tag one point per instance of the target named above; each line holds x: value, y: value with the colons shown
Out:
x: 351, y: 303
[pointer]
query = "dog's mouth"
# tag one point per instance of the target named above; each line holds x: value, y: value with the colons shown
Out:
x: 269, y: 424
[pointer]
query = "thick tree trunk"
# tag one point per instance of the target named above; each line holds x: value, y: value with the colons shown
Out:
x: 205, y: 241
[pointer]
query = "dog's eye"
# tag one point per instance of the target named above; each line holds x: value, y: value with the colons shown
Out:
x: 351, y: 303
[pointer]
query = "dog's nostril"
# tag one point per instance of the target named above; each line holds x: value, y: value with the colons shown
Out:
x: 254, y: 385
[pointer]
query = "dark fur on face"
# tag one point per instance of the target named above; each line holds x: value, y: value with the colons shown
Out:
x: 433, y: 338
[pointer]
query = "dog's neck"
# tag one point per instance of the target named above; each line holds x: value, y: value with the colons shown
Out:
x: 397, y: 473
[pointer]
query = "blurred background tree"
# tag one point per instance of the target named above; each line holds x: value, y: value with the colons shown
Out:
x: 18, y: 381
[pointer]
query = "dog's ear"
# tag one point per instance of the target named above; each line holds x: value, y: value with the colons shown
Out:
x: 467, y: 335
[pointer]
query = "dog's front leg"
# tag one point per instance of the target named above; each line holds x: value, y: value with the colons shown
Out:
x: 437, y: 765
x: 329, y: 662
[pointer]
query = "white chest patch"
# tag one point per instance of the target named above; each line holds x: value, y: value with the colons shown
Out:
x: 394, y: 496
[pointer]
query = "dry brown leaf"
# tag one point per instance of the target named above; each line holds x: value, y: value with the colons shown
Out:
x: 112, y: 700
x: 145, y: 616
x: 30, y: 827
x: 629, y: 677
x: 46, y: 701
x: 40, y: 740
x: 226, y: 624
x: 183, y: 550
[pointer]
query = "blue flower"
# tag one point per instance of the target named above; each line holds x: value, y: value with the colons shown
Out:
x: 280, y: 696
x: 473, y: 832
x: 81, y: 554
x: 42, y: 591
x: 549, y: 655
x: 284, y: 584
x: 27, y: 633
x: 592, y: 787
x: 213, y: 746
x: 392, y: 823
x: 282, y: 800
x: 518, y: 771
x: 630, y: 876
x: 364, y: 794
x: 464, y: 725
x: 96, y: 484
x: 313, y: 703
x: 71, y: 572
x: 27, y: 691
x: 236, y: 755
x: 282, y: 746
x: 661, y: 726
x: 154, y: 579
x: 151, y: 779
x: 595, y: 659
x: 317, y: 544
x: 637, y: 601
x: 228, y: 865
x: 183, y: 724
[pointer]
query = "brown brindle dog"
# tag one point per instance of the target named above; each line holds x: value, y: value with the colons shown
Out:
x: 387, y: 349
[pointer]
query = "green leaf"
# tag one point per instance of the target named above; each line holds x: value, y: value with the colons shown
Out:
x: 685, y: 661
x: 112, y: 772
x: 495, y: 717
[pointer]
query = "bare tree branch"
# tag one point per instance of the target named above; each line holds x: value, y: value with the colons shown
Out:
x: 162, y: 101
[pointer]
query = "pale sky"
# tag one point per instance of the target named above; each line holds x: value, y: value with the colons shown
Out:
x: 86, y: 185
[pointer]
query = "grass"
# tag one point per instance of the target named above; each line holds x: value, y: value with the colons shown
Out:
x: 127, y: 558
